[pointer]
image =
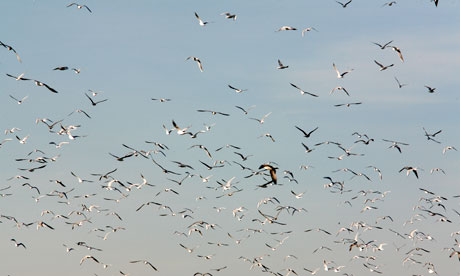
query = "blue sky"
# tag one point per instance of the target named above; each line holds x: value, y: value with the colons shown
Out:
x: 132, y: 52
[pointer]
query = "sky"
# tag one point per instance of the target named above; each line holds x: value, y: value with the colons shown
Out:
x: 131, y: 52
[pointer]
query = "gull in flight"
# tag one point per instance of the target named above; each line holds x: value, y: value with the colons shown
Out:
x: 88, y: 257
x: 198, y: 61
x: 389, y: 4
x: 383, y: 67
x: 397, y: 50
x: 409, y: 169
x: 344, y: 5
x: 308, y: 30
x: 93, y: 103
x: 201, y: 22
x: 162, y: 100
x: 339, y: 88
x: 272, y: 171
x: 281, y: 65
x: 79, y: 6
x: 302, y: 91
x: 11, y: 49
x: 347, y: 104
x: 19, y: 101
x: 229, y: 15
x: 448, y: 148
x: 306, y: 134
x: 237, y: 90
x: 400, y: 85
x: 263, y: 118
x: 286, y: 28
x: 430, y: 89
x: 39, y: 83
x: 245, y: 110
x: 17, y: 244
x: 383, y: 46
x: 146, y: 263
x: 340, y: 75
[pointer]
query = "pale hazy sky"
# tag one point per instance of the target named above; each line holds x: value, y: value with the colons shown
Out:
x: 132, y: 51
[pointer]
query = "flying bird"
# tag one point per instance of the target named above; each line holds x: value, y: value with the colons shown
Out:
x: 237, y: 90
x: 79, y: 6
x: 93, y: 103
x: 302, y: 92
x: 306, y: 134
x: 340, y: 75
x: 272, y: 171
x: 281, y: 65
x: 383, y: 67
x: 286, y: 28
x: 9, y: 48
x: 344, y: 5
x: 19, y: 101
x: 201, y: 22
x: 383, y: 46
x: 309, y: 29
x: 198, y: 61
x: 229, y: 15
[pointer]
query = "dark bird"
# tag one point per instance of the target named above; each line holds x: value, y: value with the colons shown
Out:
x: 344, y: 5
x: 306, y: 134
x: 272, y: 171
x: 93, y: 103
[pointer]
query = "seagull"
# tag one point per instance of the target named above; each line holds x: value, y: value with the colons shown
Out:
x: 146, y: 263
x: 39, y: 83
x: 201, y: 22
x: 299, y: 195
x: 399, y: 84
x: 213, y: 112
x: 448, y: 148
x: 245, y: 110
x: 281, y: 65
x: 286, y: 28
x: 340, y: 75
x: 382, y: 67
x: 431, y: 136
x: 19, y: 101
x: 11, y: 49
x: 162, y: 100
x: 436, y: 4
x: 17, y: 244
x: 409, y: 169
x: 23, y: 140
x: 79, y: 6
x: 339, y: 88
x: 308, y: 30
x: 389, y: 4
x: 302, y: 92
x: 347, y: 104
x: 307, y: 149
x: 306, y: 134
x: 180, y: 131
x: 229, y: 15
x: 384, y: 45
x: 263, y: 118
x: 430, y: 89
x: 88, y: 257
x: 61, y: 68
x: 237, y: 90
x: 397, y: 50
x: 93, y: 103
x: 80, y: 111
x: 198, y: 61
x: 344, y: 5
x: 272, y: 171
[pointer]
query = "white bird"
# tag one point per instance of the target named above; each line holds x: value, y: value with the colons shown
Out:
x: 340, y: 75
x: 201, y: 22
x: 79, y: 6
x: 281, y: 65
x: 286, y: 28
x: 237, y: 90
x: 263, y: 118
x: 339, y: 88
x: 198, y: 61
x: 302, y: 92
x: 448, y: 148
x: 19, y: 101
x: 308, y: 30
x: 383, y: 67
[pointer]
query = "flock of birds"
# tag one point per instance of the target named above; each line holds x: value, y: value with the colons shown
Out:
x: 226, y: 222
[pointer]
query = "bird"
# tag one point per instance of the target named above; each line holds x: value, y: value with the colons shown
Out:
x: 389, y: 4
x: 383, y: 67
x: 340, y: 75
x: 397, y: 50
x: 146, y: 263
x: 444, y: 150
x: 88, y: 257
x: 79, y: 6
x: 61, y: 68
x: 308, y: 30
x: 272, y: 171
x: 436, y: 4
x: 344, y: 5
x: 213, y: 112
x: 383, y: 46
x: 9, y: 48
x: 302, y: 92
x: 229, y: 15
x: 430, y: 89
x: 93, y: 103
x: 39, y: 83
x: 180, y: 131
x: 80, y: 111
x: 201, y: 22
x: 263, y: 118
x: 19, y: 101
x: 281, y: 65
x: 306, y: 134
x: 409, y: 169
x: 17, y: 244
x: 245, y: 110
x: 348, y: 104
x: 198, y: 61
x: 339, y: 88
x: 299, y: 195
x: 237, y: 90
x: 286, y: 28
x: 162, y: 100
x: 400, y: 85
